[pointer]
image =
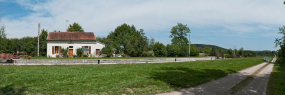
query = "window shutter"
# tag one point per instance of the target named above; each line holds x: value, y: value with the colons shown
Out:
x: 59, y: 50
x: 82, y: 46
x: 52, y: 49
x: 89, y: 49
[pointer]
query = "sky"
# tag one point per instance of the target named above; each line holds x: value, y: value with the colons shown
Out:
x: 253, y: 24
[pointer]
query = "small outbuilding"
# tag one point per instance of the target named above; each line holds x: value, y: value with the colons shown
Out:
x: 56, y: 41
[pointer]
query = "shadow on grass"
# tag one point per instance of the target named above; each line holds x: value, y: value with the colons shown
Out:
x: 181, y: 77
x: 12, y: 90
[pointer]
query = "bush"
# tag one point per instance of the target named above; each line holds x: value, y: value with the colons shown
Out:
x: 79, y: 52
x: 64, y: 52
x: 150, y: 53
x: 107, y: 50
x: 84, y: 55
x: 173, y: 50
x: 159, y: 50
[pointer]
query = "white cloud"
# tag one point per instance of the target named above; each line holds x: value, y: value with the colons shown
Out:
x: 154, y: 16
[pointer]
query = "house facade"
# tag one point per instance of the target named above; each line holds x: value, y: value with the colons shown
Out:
x: 56, y: 41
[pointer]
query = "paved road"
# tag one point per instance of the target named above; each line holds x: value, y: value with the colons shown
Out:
x: 225, y: 85
x: 259, y: 83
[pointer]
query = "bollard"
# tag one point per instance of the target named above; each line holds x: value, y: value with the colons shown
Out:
x: 98, y: 61
x: 175, y: 59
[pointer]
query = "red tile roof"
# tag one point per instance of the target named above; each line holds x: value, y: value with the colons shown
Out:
x: 71, y: 36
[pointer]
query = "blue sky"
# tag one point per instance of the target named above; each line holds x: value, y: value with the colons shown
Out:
x: 226, y: 23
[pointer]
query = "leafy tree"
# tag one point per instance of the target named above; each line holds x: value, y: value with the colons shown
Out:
x: 173, y: 50
x: 3, y: 40
x: 240, y: 51
x: 213, y: 52
x: 43, y: 42
x: 179, y: 34
x: 159, y: 50
x: 194, y: 51
x: 126, y: 39
x: 281, y: 42
x: 2, y: 32
x: 75, y: 27
x: 207, y: 50
x: 221, y: 52
x: 151, y: 43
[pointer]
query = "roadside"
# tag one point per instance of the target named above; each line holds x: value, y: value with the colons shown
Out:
x: 276, y: 81
x: 252, y: 80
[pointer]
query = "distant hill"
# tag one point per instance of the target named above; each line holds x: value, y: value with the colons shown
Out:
x: 204, y: 45
x: 201, y: 46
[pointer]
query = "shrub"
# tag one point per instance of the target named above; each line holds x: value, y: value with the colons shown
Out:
x: 79, y: 52
x: 64, y: 52
x: 150, y: 54
x: 107, y: 50
x: 159, y: 50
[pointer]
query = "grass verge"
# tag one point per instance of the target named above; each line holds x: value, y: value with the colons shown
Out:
x: 115, y: 57
x: 148, y: 78
x: 276, y: 82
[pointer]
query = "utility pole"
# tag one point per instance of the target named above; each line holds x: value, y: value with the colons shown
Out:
x: 234, y: 51
x: 38, y: 39
x: 189, y: 44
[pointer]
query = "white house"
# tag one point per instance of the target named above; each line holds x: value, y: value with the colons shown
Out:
x: 73, y: 40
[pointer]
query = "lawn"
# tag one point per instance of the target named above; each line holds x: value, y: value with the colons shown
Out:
x: 115, y: 57
x: 147, y: 78
x: 276, y: 81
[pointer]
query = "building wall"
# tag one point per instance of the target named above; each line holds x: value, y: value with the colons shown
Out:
x: 76, y: 44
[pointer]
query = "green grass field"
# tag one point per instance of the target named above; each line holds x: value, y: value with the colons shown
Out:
x: 114, y: 57
x: 276, y: 81
x: 147, y: 78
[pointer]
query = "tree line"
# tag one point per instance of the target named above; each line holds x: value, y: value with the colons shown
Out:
x: 130, y: 42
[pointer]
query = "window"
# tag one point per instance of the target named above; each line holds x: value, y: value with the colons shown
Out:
x: 86, y: 49
x: 56, y: 49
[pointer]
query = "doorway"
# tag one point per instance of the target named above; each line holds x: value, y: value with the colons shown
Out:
x: 97, y: 52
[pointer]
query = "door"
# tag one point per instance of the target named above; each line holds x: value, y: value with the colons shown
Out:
x: 97, y: 52
x: 70, y: 52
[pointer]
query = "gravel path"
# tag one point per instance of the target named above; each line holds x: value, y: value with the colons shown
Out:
x: 256, y: 85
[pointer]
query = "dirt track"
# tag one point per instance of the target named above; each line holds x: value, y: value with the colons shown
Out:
x: 251, y: 81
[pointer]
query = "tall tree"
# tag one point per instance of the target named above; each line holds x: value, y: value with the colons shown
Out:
x: 179, y: 34
x: 43, y: 42
x: 75, y: 27
x: 126, y: 39
x: 3, y: 40
x: 281, y: 42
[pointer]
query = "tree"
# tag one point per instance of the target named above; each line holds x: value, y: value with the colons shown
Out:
x: 207, y: 50
x: 43, y: 42
x: 173, y: 50
x: 151, y: 43
x: 194, y: 51
x: 213, y: 52
x: 107, y: 50
x: 179, y: 34
x: 126, y: 39
x: 240, y: 51
x: 159, y: 50
x: 2, y: 39
x: 281, y: 42
x: 75, y: 27
x: 2, y: 32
